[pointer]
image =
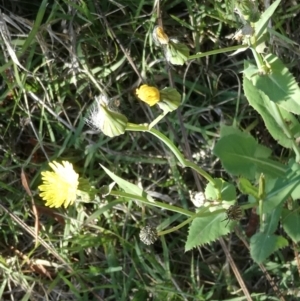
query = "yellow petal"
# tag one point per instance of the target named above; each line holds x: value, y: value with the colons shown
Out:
x: 60, y: 185
x: 148, y: 94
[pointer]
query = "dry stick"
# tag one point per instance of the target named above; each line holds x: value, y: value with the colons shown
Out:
x: 235, y: 270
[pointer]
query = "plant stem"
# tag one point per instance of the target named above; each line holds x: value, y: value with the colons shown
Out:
x: 155, y: 204
x: 172, y: 147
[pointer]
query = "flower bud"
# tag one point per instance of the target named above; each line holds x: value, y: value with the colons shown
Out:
x: 148, y: 94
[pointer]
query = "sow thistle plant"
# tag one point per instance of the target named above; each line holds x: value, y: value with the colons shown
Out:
x: 275, y: 95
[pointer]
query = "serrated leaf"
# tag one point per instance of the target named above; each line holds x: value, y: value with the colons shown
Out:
x: 263, y: 245
x: 291, y: 224
x: 240, y: 156
x: 279, y: 85
x: 206, y: 229
x: 221, y: 191
x: 263, y: 105
x: 127, y: 186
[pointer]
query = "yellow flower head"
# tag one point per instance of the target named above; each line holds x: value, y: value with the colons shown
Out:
x: 59, y: 187
x: 148, y: 94
x: 160, y: 36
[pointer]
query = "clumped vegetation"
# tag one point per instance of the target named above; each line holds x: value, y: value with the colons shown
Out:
x: 149, y: 150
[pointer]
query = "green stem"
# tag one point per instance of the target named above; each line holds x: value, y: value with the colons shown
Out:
x: 172, y: 147
x: 217, y: 51
x: 147, y: 202
x: 187, y: 221
x: 157, y: 120
x: 258, y: 59
x: 195, y: 215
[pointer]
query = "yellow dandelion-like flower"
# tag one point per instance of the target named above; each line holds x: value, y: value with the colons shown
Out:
x: 148, y: 94
x: 59, y: 187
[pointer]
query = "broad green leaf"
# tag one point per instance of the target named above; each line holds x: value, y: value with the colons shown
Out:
x: 240, y: 156
x: 291, y: 224
x: 271, y: 220
x: 261, y: 150
x: 262, y: 104
x: 223, y: 191
x: 279, y: 85
x: 263, y: 245
x: 227, y: 130
x: 206, y: 229
x: 247, y: 188
x: 127, y: 186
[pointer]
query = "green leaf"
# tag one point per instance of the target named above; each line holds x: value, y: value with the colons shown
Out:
x: 247, y: 188
x: 206, y: 229
x: 113, y: 123
x: 127, y: 186
x: 278, y: 190
x: 263, y: 245
x: 271, y: 220
x: 176, y: 53
x: 294, y: 166
x: 279, y: 85
x: 222, y: 191
x: 170, y: 99
x: 261, y: 25
x: 227, y: 130
x: 262, y: 104
x: 241, y: 156
x: 291, y: 224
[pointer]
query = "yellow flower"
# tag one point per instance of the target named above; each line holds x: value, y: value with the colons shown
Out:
x: 148, y: 94
x: 59, y: 187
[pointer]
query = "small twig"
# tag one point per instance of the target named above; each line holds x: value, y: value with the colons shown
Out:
x: 235, y: 270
